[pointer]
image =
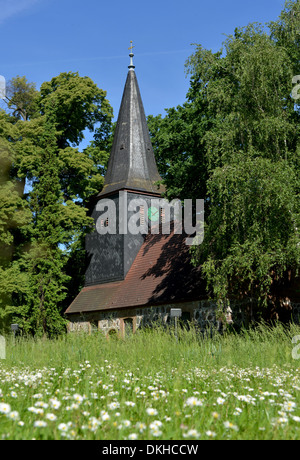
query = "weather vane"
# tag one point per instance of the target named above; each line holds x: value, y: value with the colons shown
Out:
x: 131, y: 66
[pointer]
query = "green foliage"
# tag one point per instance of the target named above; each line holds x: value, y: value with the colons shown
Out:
x: 79, y: 104
x: 235, y: 142
x: 43, y: 130
x: 248, y: 97
x: 22, y: 98
x: 43, y: 262
x: 286, y: 32
x: 14, y: 213
x: 251, y: 235
x: 177, y: 143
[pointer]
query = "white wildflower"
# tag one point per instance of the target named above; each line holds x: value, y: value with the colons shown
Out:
x: 4, y: 408
x: 230, y: 425
x: 129, y: 403
x: 63, y: 427
x: 191, y: 434
x: 51, y: 417
x: 151, y: 411
x: 140, y: 426
x: 93, y: 424
x: 55, y: 403
x: 78, y: 398
x: 113, y: 405
x: 237, y: 411
x: 104, y: 416
x: 193, y: 402
x: 14, y: 415
x: 40, y: 424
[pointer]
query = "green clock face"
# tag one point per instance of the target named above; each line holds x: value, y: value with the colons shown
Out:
x: 153, y: 214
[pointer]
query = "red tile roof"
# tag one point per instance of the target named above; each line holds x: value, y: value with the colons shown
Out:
x: 161, y: 273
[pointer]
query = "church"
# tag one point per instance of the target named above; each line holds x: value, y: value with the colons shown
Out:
x: 134, y: 278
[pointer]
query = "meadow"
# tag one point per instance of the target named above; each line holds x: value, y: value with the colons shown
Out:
x: 153, y: 386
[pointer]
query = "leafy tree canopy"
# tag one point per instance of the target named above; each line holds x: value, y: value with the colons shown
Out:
x: 235, y: 142
x: 55, y: 180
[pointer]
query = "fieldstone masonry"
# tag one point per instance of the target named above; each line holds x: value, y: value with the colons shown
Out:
x: 203, y: 314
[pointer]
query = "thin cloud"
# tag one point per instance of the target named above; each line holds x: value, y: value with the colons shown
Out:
x: 9, y: 8
x: 95, y: 58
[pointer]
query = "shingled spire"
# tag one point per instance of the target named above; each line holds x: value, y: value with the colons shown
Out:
x: 131, y: 164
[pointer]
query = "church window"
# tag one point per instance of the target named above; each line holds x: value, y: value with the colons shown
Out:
x: 112, y: 334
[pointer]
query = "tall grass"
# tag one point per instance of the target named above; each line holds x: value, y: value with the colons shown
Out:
x: 262, y: 345
x: 153, y: 385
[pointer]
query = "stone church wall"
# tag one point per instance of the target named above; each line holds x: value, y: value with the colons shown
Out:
x: 203, y: 314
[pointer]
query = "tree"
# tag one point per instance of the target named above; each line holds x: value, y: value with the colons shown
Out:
x: 235, y: 142
x: 286, y: 32
x: 252, y: 147
x: 14, y: 213
x: 79, y: 103
x: 21, y: 98
x: 252, y: 236
x: 60, y: 180
x: 43, y: 261
x: 177, y: 141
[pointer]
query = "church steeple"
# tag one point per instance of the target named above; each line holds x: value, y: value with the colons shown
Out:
x: 132, y: 168
x: 131, y: 164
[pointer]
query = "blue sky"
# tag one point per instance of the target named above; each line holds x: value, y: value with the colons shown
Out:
x: 42, y: 38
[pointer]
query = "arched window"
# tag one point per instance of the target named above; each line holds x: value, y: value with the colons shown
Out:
x: 112, y: 334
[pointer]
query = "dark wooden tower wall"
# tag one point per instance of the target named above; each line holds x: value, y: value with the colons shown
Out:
x: 131, y: 168
x: 110, y: 256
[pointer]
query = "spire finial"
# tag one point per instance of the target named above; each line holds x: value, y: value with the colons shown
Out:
x: 131, y: 66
